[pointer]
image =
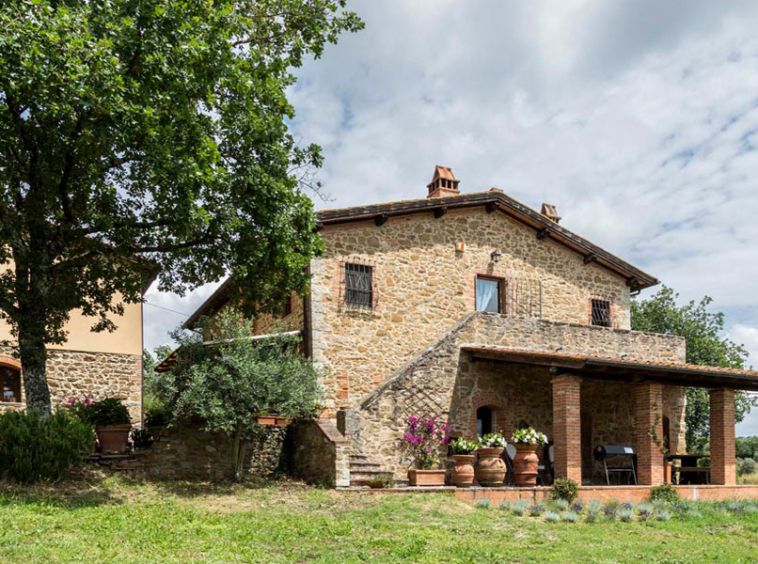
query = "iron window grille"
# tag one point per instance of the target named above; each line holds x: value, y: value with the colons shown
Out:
x: 359, y: 285
x: 601, y: 313
x: 523, y: 297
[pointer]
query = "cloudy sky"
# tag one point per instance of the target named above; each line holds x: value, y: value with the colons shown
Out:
x: 638, y: 119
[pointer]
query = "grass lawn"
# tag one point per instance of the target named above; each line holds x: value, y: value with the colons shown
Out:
x: 115, y: 521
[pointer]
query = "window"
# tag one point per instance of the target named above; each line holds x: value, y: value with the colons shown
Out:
x: 485, y: 418
x: 359, y: 289
x: 488, y: 294
x: 601, y: 313
x: 10, y: 378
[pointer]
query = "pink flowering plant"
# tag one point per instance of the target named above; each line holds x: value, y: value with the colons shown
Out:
x: 425, y: 437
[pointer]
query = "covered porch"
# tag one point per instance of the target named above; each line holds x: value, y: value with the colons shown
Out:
x: 583, y: 401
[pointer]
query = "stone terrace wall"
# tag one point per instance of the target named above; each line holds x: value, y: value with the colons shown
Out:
x: 422, y: 285
x: 102, y: 375
x: 318, y: 453
x: 185, y: 452
x: 441, y: 380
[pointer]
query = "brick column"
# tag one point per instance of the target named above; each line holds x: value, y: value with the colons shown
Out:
x: 567, y: 435
x: 722, y: 437
x: 648, y: 421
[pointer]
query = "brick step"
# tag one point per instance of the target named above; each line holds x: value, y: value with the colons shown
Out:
x: 362, y: 478
x: 359, y: 458
x: 360, y: 466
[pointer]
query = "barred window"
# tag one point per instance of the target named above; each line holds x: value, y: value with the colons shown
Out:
x: 359, y: 288
x: 601, y: 313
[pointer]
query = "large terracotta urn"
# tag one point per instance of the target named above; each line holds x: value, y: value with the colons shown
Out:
x: 113, y: 439
x: 490, y: 466
x: 426, y: 477
x: 526, y: 465
x: 463, y: 471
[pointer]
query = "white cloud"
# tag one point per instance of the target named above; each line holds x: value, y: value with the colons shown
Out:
x: 638, y: 119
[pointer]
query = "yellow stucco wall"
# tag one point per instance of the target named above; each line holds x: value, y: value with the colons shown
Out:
x: 127, y: 339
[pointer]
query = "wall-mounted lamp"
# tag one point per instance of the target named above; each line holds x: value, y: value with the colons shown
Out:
x: 495, y: 256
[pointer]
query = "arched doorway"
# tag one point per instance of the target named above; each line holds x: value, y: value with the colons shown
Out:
x: 486, y: 421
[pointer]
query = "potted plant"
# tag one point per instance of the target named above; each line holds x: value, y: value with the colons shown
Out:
x: 425, y: 437
x: 109, y: 417
x: 490, y: 466
x: 462, y: 451
x: 526, y: 462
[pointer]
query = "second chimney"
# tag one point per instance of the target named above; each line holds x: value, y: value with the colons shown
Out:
x: 549, y: 211
x: 444, y: 183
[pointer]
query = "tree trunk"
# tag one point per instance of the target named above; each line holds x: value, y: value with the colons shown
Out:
x: 33, y: 358
x: 238, y: 455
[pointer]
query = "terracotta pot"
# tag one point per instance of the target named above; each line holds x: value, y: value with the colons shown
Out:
x: 113, y: 438
x: 490, y: 466
x: 463, y: 471
x: 525, y: 465
x: 426, y: 477
x: 667, y: 469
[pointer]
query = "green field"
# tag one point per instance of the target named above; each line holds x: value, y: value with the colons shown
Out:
x: 118, y: 522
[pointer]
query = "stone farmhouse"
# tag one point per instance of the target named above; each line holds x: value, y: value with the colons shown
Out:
x: 494, y: 316
x: 102, y: 364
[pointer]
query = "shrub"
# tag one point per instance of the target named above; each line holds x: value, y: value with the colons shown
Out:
x: 663, y: 515
x: 552, y: 517
x: 101, y: 413
x: 645, y: 510
x: 611, y: 509
x: 142, y: 439
x: 592, y: 516
x: 746, y: 466
x: 594, y: 506
x: 483, y: 503
x: 664, y: 492
x: 536, y: 510
x: 504, y: 506
x: 692, y: 514
x: 520, y: 507
x: 34, y: 447
x: 570, y: 517
x: 566, y: 489
x: 577, y: 507
x: 157, y: 414
x: 561, y: 504
x: 626, y: 515
x: 627, y: 505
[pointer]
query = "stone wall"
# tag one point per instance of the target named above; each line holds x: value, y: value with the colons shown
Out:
x: 101, y: 375
x: 185, y: 452
x: 422, y: 285
x: 444, y: 381
x: 318, y: 453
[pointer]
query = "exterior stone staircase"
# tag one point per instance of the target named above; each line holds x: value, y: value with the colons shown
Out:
x: 363, y: 470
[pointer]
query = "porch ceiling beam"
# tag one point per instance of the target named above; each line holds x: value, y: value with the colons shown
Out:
x: 590, y: 259
x: 543, y: 233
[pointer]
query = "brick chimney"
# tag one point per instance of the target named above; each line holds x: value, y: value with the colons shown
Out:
x: 444, y: 183
x: 549, y: 211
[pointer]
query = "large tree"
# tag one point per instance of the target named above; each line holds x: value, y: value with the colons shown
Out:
x: 150, y: 136
x: 703, y: 331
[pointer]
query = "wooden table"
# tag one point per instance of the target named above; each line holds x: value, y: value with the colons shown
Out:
x: 689, y: 472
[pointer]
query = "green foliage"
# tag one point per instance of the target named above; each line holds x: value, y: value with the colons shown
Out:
x: 483, y: 503
x: 747, y: 447
x: 157, y: 412
x: 626, y: 515
x: 142, y: 439
x: 746, y: 466
x: 528, y: 436
x: 381, y: 482
x: 664, y: 492
x: 36, y: 447
x: 109, y: 411
x: 706, y: 346
x: 569, y: 517
x: 462, y: 446
x: 155, y: 130
x: 564, y: 489
x: 231, y: 379
x: 552, y: 517
x: 520, y: 507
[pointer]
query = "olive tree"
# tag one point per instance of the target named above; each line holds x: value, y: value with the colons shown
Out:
x: 231, y: 378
